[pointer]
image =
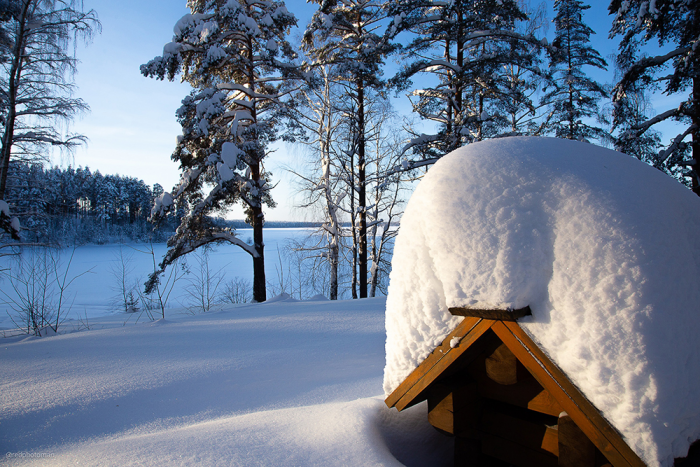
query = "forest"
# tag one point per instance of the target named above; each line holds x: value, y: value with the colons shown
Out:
x: 471, y: 70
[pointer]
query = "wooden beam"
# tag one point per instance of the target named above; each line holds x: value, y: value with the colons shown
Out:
x: 407, y: 393
x: 441, y: 408
x: 454, y: 409
x: 575, y: 449
x: 526, y: 393
x: 553, y: 379
x: 503, y: 315
x: 502, y: 366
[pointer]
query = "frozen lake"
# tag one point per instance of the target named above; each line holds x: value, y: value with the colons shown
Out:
x: 95, y: 268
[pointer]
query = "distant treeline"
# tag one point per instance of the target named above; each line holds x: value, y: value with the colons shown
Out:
x: 76, y: 206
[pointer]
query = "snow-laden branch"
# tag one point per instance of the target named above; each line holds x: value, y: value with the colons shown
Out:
x: 637, y: 130
x: 637, y: 69
x: 675, y: 145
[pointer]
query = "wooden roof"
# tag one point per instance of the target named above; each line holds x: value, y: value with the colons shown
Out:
x: 461, y: 341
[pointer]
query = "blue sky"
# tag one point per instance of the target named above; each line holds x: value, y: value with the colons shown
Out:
x: 132, y: 127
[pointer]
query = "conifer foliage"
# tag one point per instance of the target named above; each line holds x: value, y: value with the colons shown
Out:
x: 466, y: 45
x: 76, y: 206
x: 575, y: 96
x: 236, y: 57
x: 674, y: 25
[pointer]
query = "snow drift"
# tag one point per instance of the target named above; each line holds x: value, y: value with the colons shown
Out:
x: 604, y: 249
x: 267, y: 384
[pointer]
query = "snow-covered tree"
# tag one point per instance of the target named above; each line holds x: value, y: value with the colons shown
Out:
x: 346, y: 34
x: 36, y: 70
x: 675, y: 27
x: 386, y: 188
x: 319, y: 118
x: 629, y: 112
x: 467, y: 46
x: 575, y: 96
x: 236, y: 56
x: 520, y: 109
x: 328, y: 182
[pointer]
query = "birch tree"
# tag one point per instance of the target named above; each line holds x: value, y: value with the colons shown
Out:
x: 327, y: 115
x: 236, y: 56
x: 347, y: 34
x: 319, y: 118
x: 521, y: 110
x: 629, y: 112
x: 36, y: 80
x: 386, y: 190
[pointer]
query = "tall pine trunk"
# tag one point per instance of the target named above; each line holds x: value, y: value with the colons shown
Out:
x: 259, y: 290
x: 257, y: 216
x: 353, y: 218
x: 362, y: 189
x: 695, y: 144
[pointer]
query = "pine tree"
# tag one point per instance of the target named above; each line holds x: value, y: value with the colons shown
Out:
x: 465, y: 45
x: 675, y: 26
x: 520, y: 110
x: 236, y: 56
x: 575, y: 96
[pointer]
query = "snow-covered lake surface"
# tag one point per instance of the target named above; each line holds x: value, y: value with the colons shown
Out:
x: 95, y: 269
x: 279, y: 383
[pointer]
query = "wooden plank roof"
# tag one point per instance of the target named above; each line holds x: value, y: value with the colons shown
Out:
x: 603, y: 435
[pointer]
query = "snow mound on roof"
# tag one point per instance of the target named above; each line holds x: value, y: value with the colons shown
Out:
x: 604, y: 249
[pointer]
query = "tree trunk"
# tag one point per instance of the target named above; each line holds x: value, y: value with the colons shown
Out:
x: 14, y: 76
x: 325, y: 139
x: 353, y: 219
x: 257, y: 216
x: 459, y: 83
x: 450, y: 123
x: 572, y: 117
x: 259, y: 286
x: 374, y: 276
x: 695, y: 144
x: 362, y: 192
x: 334, y: 271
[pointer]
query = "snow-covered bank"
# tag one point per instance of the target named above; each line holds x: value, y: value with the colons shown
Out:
x: 255, y: 384
x: 603, y: 248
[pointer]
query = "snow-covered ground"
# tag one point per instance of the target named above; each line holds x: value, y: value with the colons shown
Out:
x: 280, y: 383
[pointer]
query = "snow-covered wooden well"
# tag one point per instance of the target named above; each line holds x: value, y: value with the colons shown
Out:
x: 603, y: 252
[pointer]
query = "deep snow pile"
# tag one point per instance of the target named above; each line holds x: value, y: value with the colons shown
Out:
x: 280, y: 383
x: 604, y: 249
